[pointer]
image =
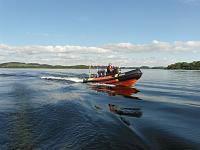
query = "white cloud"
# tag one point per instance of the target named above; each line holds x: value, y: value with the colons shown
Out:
x: 157, y: 46
x: 53, y: 49
x: 129, y: 54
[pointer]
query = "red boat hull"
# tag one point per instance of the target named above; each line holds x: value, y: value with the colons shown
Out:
x: 124, y: 79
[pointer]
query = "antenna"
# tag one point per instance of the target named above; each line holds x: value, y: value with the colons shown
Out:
x: 89, y: 71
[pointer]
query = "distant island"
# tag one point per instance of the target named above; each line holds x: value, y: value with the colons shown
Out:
x: 195, y: 65
x: 46, y: 66
x: 36, y: 65
x: 180, y: 65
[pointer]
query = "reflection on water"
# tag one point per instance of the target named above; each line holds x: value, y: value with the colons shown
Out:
x: 119, y: 110
x: 125, y: 111
x: 115, y: 90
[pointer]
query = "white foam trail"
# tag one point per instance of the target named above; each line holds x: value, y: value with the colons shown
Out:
x: 103, y: 84
x: 74, y: 79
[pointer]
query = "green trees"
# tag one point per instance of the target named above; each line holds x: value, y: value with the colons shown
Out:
x: 195, y: 65
x: 36, y: 65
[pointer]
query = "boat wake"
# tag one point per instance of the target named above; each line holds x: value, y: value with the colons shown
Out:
x: 73, y: 79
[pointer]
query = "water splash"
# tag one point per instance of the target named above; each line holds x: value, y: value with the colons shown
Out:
x: 73, y: 79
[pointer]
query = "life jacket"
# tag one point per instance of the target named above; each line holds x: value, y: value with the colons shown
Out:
x: 109, y: 68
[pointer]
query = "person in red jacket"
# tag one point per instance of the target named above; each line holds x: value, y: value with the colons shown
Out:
x: 109, y: 69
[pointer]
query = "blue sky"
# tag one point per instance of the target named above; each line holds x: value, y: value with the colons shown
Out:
x: 140, y: 32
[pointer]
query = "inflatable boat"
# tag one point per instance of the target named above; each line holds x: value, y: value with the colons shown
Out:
x: 120, y: 79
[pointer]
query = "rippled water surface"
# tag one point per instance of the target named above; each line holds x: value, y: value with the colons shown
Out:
x: 52, y: 109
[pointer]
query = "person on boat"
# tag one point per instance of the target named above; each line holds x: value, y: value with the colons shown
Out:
x: 110, y: 69
x: 101, y: 73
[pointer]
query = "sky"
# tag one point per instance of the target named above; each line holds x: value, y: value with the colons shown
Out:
x: 97, y: 32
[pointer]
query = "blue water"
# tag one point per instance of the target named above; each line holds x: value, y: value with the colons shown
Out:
x: 52, y: 109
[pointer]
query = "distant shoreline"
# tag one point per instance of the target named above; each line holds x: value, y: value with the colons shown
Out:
x: 177, y: 66
x: 195, y: 65
x: 20, y: 65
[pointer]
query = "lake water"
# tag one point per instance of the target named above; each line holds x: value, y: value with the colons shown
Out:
x: 52, y: 109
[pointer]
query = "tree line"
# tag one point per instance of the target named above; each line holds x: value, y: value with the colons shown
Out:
x: 195, y: 65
